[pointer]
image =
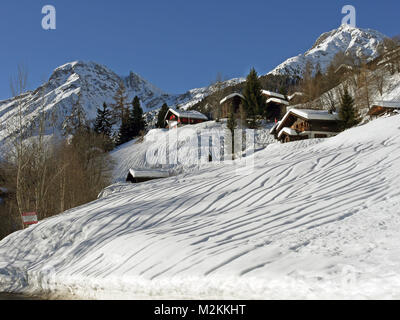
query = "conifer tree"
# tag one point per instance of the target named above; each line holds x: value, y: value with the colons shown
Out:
x: 348, y: 115
x: 161, y: 116
x: 136, y: 120
x: 125, y: 130
x: 254, y: 103
x: 103, y: 122
x: 103, y: 127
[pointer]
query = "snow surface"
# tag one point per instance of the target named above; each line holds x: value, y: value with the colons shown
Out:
x: 312, y: 219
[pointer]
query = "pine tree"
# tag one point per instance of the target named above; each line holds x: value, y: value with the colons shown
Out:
x: 136, y: 120
x: 161, y: 116
x: 348, y: 115
x: 125, y: 130
x: 254, y: 103
x: 103, y: 122
x: 132, y: 124
x: 103, y: 127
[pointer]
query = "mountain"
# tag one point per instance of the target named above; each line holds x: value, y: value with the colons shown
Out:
x: 350, y: 40
x: 88, y: 84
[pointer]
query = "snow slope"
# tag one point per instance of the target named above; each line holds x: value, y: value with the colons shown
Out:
x: 360, y: 42
x: 313, y: 219
x: 152, y: 152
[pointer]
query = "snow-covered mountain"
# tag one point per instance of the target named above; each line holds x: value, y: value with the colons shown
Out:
x: 89, y: 84
x: 361, y: 42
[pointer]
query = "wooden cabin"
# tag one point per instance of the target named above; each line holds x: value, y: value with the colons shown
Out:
x: 175, y: 118
x: 384, y: 107
x: 301, y: 124
x: 276, y: 105
x: 231, y: 104
x: 143, y: 175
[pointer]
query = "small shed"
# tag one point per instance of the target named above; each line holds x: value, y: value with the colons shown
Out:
x: 382, y: 107
x: 143, y: 175
x: 276, y: 104
x: 231, y: 104
x: 176, y: 118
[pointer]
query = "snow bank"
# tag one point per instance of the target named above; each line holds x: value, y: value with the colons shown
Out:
x: 312, y: 219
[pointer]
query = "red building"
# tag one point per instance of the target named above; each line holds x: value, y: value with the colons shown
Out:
x: 175, y: 118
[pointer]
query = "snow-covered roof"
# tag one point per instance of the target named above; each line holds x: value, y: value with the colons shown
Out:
x: 387, y: 104
x: 149, y: 173
x: 231, y: 96
x: 295, y: 95
x: 277, y: 100
x: 274, y: 127
x: 192, y: 114
x: 310, y: 114
x: 289, y: 131
x: 273, y: 94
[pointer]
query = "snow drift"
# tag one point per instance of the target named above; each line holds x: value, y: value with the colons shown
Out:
x: 312, y: 219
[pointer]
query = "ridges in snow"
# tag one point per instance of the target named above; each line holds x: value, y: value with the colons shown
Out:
x: 310, y: 216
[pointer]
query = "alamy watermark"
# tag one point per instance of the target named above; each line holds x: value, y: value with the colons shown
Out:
x: 350, y: 15
x: 193, y: 147
x: 49, y: 20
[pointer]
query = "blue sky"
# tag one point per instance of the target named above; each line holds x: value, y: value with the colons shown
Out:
x: 177, y: 44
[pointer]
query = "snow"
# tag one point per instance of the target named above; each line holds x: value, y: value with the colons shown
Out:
x: 358, y: 41
x: 289, y: 131
x: 94, y: 84
x: 276, y: 100
x: 152, y: 152
x: 273, y: 94
x: 295, y: 95
x: 311, y: 219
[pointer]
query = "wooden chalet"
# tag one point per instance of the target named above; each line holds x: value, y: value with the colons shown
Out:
x: 231, y: 104
x: 143, y: 175
x: 301, y: 124
x: 175, y: 118
x: 384, y: 107
x: 276, y: 104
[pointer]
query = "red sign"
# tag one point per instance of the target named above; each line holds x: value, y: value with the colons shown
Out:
x: 29, y: 218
